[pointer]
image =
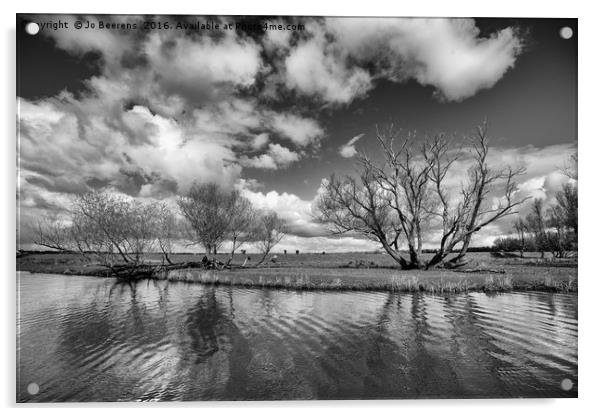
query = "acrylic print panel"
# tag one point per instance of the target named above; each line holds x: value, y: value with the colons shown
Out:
x: 287, y: 208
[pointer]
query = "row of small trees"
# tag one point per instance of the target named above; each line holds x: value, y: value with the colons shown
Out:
x: 119, y: 232
x: 553, y: 230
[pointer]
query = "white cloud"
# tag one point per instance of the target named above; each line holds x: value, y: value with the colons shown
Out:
x: 299, y: 130
x: 63, y: 148
x: 178, y: 155
x: 315, y: 68
x: 260, y: 141
x: 342, y: 57
x: 234, y: 116
x: 295, y: 211
x: 275, y: 39
x: 277, y: 157
x: 348, y: 150
x: 202, y: 65
x: 448, y: 54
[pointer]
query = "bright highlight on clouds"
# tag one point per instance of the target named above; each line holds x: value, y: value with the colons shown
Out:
x: 301, y: 131
x: 316, y: 68
x: 276, y: 157
x: 335, y: 63
x: 296, y: 211
x: 348, y: 150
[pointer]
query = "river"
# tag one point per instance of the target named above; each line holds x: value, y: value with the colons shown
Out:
x: 92, y: 339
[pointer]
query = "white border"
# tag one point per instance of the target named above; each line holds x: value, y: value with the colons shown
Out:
x: 589, y: 151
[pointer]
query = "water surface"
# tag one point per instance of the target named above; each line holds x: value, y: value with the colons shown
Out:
x: 91, y: 339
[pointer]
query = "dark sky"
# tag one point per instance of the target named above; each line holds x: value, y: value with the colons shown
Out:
x: 44, y: 70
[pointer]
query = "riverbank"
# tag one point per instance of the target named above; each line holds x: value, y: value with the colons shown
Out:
x: 350, y: 271
x: 437, y: 281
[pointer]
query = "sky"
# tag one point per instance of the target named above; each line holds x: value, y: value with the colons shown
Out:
x: 146, y: 113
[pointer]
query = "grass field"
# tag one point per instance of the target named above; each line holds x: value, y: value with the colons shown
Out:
x: 348, y: 271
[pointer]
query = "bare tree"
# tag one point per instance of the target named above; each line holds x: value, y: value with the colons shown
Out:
x: 117, y: 233
x: 403, y: 185
x: 167, y: 231
x: 536, y: 223
x: 557, y: 240
x: 116, y: 230
x: 269, y: 230
x: 511, y: 243
x: 393, y: 202
x: 521, y: 228
x: 555, y: 229
x: 477, y: 208
x: 209, y: 210
x: 55, y: 233
x: 241, y: 229
x: 567, y: 201
x: 570, y: 168
x: 113, y: 231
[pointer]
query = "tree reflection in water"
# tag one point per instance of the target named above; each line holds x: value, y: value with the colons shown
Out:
x: 88, y: 339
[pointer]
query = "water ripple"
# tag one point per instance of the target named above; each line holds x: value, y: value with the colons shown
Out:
x: 90, y: 339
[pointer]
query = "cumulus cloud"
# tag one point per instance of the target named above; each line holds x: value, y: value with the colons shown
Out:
x: 202, y: 65
x: 179, y: 155
x: 348, y: 149
x: 295, y: 211
x: 299, y: 130
x: 276, y: 157
x: 260, y: 141
x: 448, y: 54
x: 164, y: 109
x: 315, y: 68
x: 341, y: 58
x: 277, y: 39
x: 85, y: 151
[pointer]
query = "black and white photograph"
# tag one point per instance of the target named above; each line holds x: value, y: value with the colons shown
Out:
x: 274, y: 208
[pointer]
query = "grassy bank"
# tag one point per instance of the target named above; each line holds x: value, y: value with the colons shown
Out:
x: 350, y: 271
x: 375, y: 279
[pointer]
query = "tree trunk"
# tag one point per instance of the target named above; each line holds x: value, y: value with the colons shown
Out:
x: 166, y: 257
x: 462, y: 253
x: 265, y: 254
x: 403, y: 264
x: 436, y: 259
x: 415, y: 262
x: 232, y: 252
